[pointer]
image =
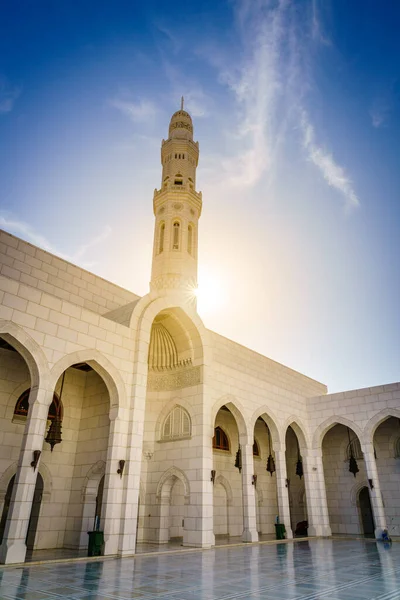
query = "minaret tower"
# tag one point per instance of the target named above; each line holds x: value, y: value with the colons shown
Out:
x: 177, y: 208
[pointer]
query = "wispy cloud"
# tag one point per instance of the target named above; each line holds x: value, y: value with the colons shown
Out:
x: 28, y: 233
x: 271, y: 82
x: 380, y: 109
x: 316, y: 27
x: 257, y: 84
x: 8, y: 96
x: 141, y: 111
x: 332, y: 172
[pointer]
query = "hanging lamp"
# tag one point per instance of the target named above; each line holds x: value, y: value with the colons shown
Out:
x: 299, y: 464
x: 270, y: 461
x: 53, y: 436
x: 353, y: 466
x: 238, y: 460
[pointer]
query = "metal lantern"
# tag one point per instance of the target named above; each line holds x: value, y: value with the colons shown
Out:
x: 238, y: 460
x: 53, y: 436
x: 353, y: 466
x: 299, y: 464
x: 270, y: 461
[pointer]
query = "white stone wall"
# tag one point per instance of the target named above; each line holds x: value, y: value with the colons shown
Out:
x: 43, y: 271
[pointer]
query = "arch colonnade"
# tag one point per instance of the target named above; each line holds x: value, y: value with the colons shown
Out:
x: 322, y: 471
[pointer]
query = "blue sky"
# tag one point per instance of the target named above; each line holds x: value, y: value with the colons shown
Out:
x: 296, y: 106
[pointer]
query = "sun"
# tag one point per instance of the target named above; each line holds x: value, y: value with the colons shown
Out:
x: 210, y: 293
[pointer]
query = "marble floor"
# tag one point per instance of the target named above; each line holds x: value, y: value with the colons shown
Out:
x: 304, y: 570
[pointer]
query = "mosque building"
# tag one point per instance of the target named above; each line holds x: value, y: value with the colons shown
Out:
x: 127, y: 413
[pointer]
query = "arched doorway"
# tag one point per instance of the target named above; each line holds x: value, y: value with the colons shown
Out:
x: 295, y: 484
x: 366, y: 515
x: 343, y: 463
x: 35, y: 511
x: 265, y: 471
x: 225, y: 445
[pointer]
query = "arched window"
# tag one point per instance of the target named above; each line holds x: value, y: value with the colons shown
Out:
x: 175, y: 242
x: 354, y: 447
x: 22, y: 407
x: 220, y: 439
x: 256, y: 449
x: 177, y: 425
x: 161, y: 238
x: 178, y: 179
x: 190, y: 239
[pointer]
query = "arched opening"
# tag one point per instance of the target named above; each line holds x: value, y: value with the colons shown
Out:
x: 366, y: 516
x: 228, y: 511
x: 173, y: 396
x: 35, y: 511
x: 386, y: 440
x: 190, y: 239
x: 173, y: 496
x: 264, y: 469
x: 343, y: 472
x: 161, y: 238
x: 295, y: 484
x: 176, y: 235
x: 81, y: 441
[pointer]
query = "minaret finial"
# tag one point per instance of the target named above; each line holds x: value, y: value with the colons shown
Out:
x: 182, y: 102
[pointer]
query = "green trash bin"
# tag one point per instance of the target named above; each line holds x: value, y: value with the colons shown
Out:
x: 280, y: 531
x: 96, y: 541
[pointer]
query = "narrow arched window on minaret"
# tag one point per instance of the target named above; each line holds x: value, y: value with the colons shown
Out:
x: 175, y: 243
x: 161, y: 239
x: 190, y: 239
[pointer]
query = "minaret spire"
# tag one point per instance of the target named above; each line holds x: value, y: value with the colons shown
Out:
x: 177, y: 208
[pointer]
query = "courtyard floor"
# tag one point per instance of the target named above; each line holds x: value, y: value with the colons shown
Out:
x: 302, y: 570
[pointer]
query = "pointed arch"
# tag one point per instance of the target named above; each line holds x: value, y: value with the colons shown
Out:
x: 30, y: 351
x: 270, y: 419
x: 324, y: 427
x: 151, y: 305
x: 166, y: 483
x: 103, y: 367
x: 378, y: 419
x: 299, y: 429
x: 237, y: 411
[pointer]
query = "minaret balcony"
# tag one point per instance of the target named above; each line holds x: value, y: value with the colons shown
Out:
x: 194, y: 198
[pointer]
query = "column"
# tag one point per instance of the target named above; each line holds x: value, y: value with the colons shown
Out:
x: 375, y: 493
x: 250, y: 533
x: 113, y: 481
x: 282, y: 490
x: 317, y: 506
x: 13, y: 547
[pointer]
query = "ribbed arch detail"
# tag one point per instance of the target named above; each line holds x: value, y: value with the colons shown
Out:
x: 163, y: 353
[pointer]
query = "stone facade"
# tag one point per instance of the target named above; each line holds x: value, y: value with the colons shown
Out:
x: 153, y: 407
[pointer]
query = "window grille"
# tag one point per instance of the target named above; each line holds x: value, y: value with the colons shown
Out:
x: 176, y: 425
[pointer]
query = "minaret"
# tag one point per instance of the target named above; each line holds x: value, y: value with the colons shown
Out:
x: 177, y: 208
